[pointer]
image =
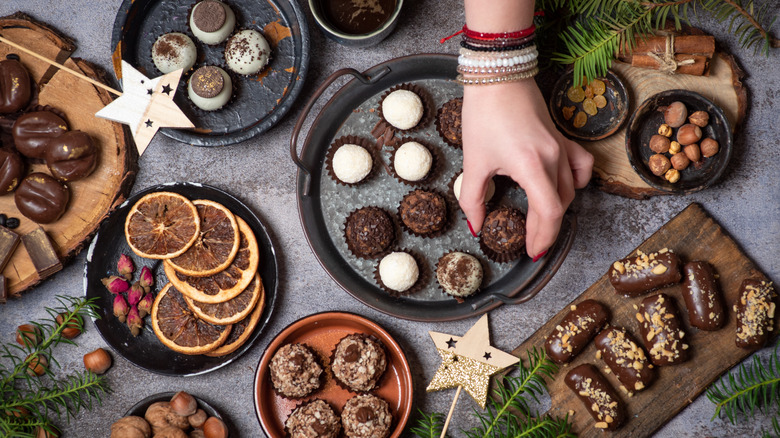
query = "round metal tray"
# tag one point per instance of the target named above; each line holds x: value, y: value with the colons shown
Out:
x: 512, y: 283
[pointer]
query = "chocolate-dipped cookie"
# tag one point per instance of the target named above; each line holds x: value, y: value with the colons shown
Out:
x: 625, y: 358
x: 662, y: 332
x: 42, y: 198
x: 71, y: 156
x: 755, y: 313
x: 643, y: 273
x: 15, y: 90
x: 702, y: 296
x: 11, y: 170
x: 33, y: 131
x: 576, y: 329
x: 598, y: 396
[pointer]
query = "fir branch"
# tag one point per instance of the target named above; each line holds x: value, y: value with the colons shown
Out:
x: 428, y: 426
x: 745, y: 22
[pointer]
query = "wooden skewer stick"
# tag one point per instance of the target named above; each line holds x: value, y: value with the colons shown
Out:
x: 60, y: 66
x: 449, y: 415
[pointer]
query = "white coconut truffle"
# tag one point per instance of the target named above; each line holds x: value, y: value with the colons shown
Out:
x: 210, y: 88
x: 491, y: 189
x: 212, y: 21
x: 412, y: 161
x: 351, y: 163
x: 402, y: 109
x: 247, y: 52
x: 459, y: 274
x: 398, y: 271
x: 174, y: 51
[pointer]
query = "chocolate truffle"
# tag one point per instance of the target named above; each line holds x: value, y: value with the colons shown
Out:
x: 448, y: 122
x: 491, y: 188
x: 212, y: 21
x: 247, y: 52
x: 42, y: 198
x: 369, y: 232
x: 504, y: 231
x: 398, y: 271
x: 358, y: 362
x: 352, y: 163
x: 315, y: 419
x: 33, y: 131
x: 412, y: 161
x: 210, y: 88
x: 295, y: 371
x: 402, y: 109
x: 366, y: 416
x: 459, y: 274
x: 423, y: 212
x: 15, y: 90
x: 71, y: 156
x: 11, y: 170
x: 173, y: 51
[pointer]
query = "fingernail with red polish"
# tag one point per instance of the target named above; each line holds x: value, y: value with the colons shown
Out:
x: 540, y: 255
x: 471, y: 229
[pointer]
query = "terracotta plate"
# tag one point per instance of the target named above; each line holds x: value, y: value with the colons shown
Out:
x: 140, y: 408
x: 322, y: 331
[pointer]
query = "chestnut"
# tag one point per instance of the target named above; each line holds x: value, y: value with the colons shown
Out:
x: 659, y: 164
x: 692, y: 152
x: 688, y: 134
x: 680, y: 161
x: 659, y: 144
x: 709, y: 147
x: 675, y: 114
x: 699, y: 118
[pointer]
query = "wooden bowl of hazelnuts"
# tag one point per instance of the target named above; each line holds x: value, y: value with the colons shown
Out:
x: 679, y: 141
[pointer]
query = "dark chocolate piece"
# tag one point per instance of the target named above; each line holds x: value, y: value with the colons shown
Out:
x: 755, y: 313
x: 625, y: 358
x: 33, y: 131
x: 702, y: 296
x: 15, y: 90
x: 423, y: 211
x: 42, y: 198
x: 643, y: 273
x: 8, y: 243
x: 11, y: 171
x: 598, y: 396
x: 448, y: 122
x: 42, y: 252
x: 504, y: 230
x: 576, y: 329
x: 369, y: 232
x: 662, y: 332
x: 72, y: 156
x: 3, y: 290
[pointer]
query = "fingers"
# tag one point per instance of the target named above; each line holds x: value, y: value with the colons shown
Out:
x: 580, y: 162
x: 545, y: 209
x: 472, y: 197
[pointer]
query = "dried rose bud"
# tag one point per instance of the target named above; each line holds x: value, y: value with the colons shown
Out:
x: 125, y: 266
x: 135, y: 294
x: 121, y: 308
x: 134, y: 321
x: 116, y: 285
x: 147, y: 279
x: 145, y: 305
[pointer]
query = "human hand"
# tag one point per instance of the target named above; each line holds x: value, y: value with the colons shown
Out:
x: 507, y: 131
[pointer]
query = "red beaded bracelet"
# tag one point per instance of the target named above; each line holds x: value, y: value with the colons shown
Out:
x: 487, y: 36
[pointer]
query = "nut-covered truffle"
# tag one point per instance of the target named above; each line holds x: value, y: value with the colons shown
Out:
x: 315, y: 419
x: 699, y: 118
x: 688, y: 134
x: 294, y: 371
x: 709, y: 147
x: 72, y: 156
x: 366, y: 416
x: 659, y: 164
x: 42, y: 198
x: 675, y: 114
x: 359, y: 361
x: 369, y: 232
x: 659, y: 144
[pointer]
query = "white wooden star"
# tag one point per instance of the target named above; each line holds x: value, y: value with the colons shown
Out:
x: 146, y: 105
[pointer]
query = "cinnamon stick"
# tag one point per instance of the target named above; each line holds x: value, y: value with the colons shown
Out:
x: 688, y: 44
x: 700, y: 67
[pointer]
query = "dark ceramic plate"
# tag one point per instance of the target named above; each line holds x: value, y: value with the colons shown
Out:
x: 145, y: 350
x: 259, y: 101
x: 606, y: 121
x: 644, y: 124
x: 139, y: 409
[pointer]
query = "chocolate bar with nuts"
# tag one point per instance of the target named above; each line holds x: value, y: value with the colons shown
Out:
x: 702, y: 296
x: 598, y: 396
x: 643, y: 273
x: 625, y: 358
x: 662, y: 332
x: 755, y: 313
x: 42, y: 252
x: 576, y: 329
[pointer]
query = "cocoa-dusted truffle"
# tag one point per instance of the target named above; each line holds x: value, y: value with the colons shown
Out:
x: 11, y: 170
x: 212, y: 21
x: 424, y: 212
x: 369, y: 232
x: 359, y: 361
x: 295, y: 371
x: 71, y: 156
x: 15, y: 91
x: 42, y: 198
x: 33, y: 131
x: 459, y: 274
x: 504, y: 231
x: 173, y: 51
x: 247, y: 52
x: 210, y: 88
x: 366, y: 416
x: 315, y: 419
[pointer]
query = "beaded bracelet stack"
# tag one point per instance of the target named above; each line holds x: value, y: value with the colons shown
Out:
x: 492, y: 58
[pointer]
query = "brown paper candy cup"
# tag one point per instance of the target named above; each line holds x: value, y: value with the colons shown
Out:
x: 422, y: 279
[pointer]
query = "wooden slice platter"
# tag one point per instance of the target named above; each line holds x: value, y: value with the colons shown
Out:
x: 94, y: 197
x: 693, y: 235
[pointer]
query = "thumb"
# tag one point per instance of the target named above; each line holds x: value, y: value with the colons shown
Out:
x: 472, y: 198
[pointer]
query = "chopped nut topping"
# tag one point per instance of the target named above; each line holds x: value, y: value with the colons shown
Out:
x: 659, y: 269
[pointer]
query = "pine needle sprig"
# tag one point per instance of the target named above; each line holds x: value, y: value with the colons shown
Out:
x: 745, y: 18
x: 428, y: 426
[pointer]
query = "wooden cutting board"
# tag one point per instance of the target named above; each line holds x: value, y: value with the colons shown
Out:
x: 693, y: 235
x: 92, y: 198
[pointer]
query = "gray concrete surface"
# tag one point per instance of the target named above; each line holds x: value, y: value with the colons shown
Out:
x: 746, y: 202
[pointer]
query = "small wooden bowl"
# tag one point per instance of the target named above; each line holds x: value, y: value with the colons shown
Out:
x: 644, y: 124
x: 606, y: 121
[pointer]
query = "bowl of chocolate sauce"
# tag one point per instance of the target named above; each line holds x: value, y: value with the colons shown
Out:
x: 356, y: 23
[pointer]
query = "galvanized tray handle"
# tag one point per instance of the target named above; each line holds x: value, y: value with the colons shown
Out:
x: 364, y: 79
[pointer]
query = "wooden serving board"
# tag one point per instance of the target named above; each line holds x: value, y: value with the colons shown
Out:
x: 693, y: 235
x: 612, y: 170
x: 92, y: 198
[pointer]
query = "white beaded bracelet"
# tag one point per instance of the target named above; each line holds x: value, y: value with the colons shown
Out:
x: 500, y: 62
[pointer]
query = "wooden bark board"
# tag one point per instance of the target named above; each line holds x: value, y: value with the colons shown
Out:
x: 693, y: 235
x: 612, y: 171
x: 93, y: 197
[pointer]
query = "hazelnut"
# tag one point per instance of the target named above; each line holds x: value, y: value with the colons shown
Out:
x: 688, y: 134
x: 680, y: 161
x: 659, y: 164
x: 675, y: 114
x: 672, y: 175
x: 659, y: 144
x: 709, y: 147
x: 98, y: 361
x: 37, y: 364
x: 28, y: 334
x: 692, y: 152
x: 215, y: 428
x: 184, y: 404
x: 674, y: 147
x: 198, y: 418
x: 699, y: 118
x: 665, y: 130
x: 72, y: 327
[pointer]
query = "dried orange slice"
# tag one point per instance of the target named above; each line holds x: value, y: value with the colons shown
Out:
x: 598, y: 86
x: 179, y: 329
x: 575, y: 94
x: 240, y: 331
x: 589, y: 106
x: 162, y: 225
x: 580, y: 119
x: 600, y: 101
x: 232, y: 310
x: 217, y: 244
x: 224, y: 285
